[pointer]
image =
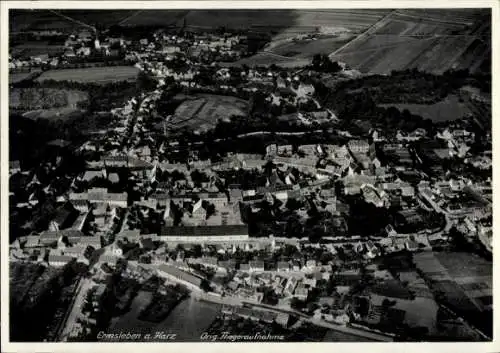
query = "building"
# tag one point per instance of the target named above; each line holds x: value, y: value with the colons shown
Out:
x: 358, y: 146
x: 101, y: 195
x: 116, y: 161
x: 256, y: 266
x: 219, y: 199
x: 80, y: 205
x: 173, y: 273
x: 48, y: 237
x: 32, y: 241
x: 290, y: 286
x: 283, y: 266
x: 59, y: 260
x: 204, y: 233
x: 93, y: 241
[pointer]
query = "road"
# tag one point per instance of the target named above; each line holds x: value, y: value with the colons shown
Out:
x: 352, y: 331
x: 234, y: 301
x: 377, y: 25
x: 74, y: 20
x: 278, y: 133
x: 76, y: 308
x: 69, y: 309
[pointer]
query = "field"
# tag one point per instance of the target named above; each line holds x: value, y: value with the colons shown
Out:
x: 448, y: 109
x: 92, y: 74
x: 292, y: 21
x: 20, y: 76
x: 25, y: 20
x: 334, y: 27
x: 307, y: 48
x: 466, y: 279
x: 427, y: 40
x: 28, y: 49
x: 202, y: 112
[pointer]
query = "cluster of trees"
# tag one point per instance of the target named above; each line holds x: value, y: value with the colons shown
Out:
x: 359, y: 99
x: 44, y: 295
x: 322, y: 63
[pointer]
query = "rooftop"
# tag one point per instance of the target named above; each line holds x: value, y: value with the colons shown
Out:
x: 205, y: 230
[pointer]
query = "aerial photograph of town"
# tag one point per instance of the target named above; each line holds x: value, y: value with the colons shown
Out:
x: 250, y: 175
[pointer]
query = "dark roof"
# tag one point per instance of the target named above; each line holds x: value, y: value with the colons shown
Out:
x: 58, y: 143
x: 252, y: 198
x: 120, y: 158
x: 205, y: 230
x: 283, y: 264
x: 257, y: 263
x: 62, y: 215
x: 63, y: 258
x: 263, y: 189
x: 185, y: 276
x: 79, y: 202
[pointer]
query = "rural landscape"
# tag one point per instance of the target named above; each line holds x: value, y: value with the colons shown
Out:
x: 274, y: 175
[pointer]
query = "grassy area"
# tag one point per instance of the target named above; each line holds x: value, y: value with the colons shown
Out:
x: 204, y: 111
x: 99, y: 75
x: 449, y: 108
x: 21, y: 76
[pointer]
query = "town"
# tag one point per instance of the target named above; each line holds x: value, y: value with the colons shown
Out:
x: 258, y: 189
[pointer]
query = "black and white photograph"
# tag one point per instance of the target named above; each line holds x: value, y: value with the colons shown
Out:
x: 261, y: 175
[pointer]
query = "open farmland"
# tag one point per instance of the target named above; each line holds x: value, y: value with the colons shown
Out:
x: 37, y: 20
x: 289, y: 21
x: 202, y: 112
x: 448, y: 109
x: 406, y: 40
x: 21, y: 76
x: 92, y: 74
x: 64, y: 113
x: 28, y: 49
x: 307, y: 48
x: 153, y: 18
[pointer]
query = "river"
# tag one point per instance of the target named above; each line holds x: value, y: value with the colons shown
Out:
x: 188, y: 320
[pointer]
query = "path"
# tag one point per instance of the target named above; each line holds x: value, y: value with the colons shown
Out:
x: 73, y: 20
x: 369, y: 31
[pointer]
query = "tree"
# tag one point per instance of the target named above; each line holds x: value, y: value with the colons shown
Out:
x: 297, y: 304
x: 205, y: 285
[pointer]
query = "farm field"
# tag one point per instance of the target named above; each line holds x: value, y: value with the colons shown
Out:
x: 403, y: 40
x: 28, y: 49
x: 20, y: 76
x: 202, y: 112
x: 462, y: 276
x: 303, y: 21
x: 153, y: 18
x: 307, y: 48
x: 92, y: 74
x: 448, y: 109
x: 24, y: 20
x: 64, y: 113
